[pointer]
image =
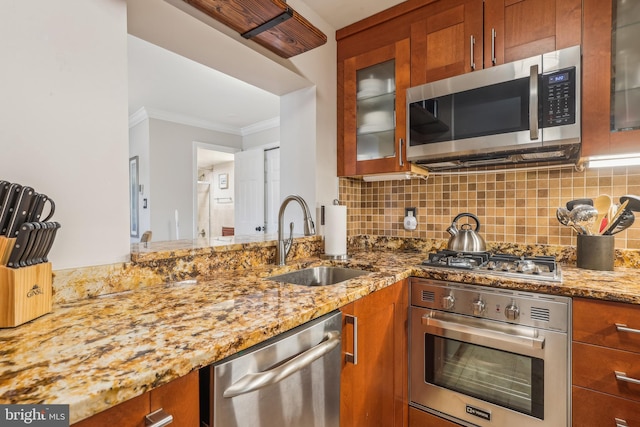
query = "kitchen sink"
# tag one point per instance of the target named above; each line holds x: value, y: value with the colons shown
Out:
x: 318, y: 276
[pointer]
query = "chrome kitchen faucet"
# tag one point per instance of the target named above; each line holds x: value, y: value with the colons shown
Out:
x: 309, y: 228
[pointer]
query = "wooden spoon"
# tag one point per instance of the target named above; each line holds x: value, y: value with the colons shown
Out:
x: 602, y: 203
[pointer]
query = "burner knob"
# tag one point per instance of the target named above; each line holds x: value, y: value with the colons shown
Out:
x: 448, y: 302
x: 512, y: 312
x: 491, y: 265
x: 478, y: 307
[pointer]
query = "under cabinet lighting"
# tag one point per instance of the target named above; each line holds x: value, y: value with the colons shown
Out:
x: 614, y: 161
x: 389, y: 176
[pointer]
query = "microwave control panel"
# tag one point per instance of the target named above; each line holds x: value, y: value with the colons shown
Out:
x: 559, y: 98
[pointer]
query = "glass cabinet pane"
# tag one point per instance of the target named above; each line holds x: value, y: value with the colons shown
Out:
x: 625, y: 49
x: 376, y: 102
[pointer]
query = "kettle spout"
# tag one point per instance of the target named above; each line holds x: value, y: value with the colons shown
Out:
x: 453, y: 230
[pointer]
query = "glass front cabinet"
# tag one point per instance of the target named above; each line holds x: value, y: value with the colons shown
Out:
x: 611, y: 76
x: 374, y: 111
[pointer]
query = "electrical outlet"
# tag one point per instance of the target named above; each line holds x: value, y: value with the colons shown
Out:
x: 407, y: 210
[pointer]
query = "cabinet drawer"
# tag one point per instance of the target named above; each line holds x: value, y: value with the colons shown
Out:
x: 595, y: 368
x: 418, y: 418
x: 594, y: 409
x: 595, y: 322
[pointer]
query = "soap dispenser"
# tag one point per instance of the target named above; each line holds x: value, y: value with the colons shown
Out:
x: 410, y: 221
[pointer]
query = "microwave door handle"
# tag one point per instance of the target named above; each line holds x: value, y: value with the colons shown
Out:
x: 533, y: 102
x: 458, y: 330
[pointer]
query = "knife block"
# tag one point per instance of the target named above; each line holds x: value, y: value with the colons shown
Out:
x: 25, y: 293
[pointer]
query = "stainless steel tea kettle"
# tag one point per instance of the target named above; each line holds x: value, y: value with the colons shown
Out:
x: 465, y: 239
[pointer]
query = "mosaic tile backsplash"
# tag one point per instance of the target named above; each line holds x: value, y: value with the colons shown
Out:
x: 517, y: 206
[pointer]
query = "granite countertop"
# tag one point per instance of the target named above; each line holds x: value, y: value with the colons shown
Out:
x: 95, y: 353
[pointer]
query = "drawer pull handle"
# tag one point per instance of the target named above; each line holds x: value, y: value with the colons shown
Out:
x: 622, y: 376
x: 621, y: 423
x: 158, y: 418
x: 621, y: 327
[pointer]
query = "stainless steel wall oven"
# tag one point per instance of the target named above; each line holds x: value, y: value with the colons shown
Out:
x: 489, y: 357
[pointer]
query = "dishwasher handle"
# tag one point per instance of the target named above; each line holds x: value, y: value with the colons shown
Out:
x: 253, y: 382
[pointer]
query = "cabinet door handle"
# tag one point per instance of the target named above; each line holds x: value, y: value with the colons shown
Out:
x: 353, y: 357
x: 621, y: 423
x: 158, y: 418
x: 533, y: 102
x: 622, y: 376
x: 621, y: 327
x: 493, y: 46
x: 400, y: 159
x: 473, y: 63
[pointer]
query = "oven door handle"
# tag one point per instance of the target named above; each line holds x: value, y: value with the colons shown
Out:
x: 461, y: 331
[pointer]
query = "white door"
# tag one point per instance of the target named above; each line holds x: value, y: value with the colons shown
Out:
x: 249, y: 192
x: 272, y: 189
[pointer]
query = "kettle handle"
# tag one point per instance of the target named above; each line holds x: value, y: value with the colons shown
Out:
x: 470, y: 215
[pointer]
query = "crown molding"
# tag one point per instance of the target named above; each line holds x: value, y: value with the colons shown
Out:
x: 147, y: 113
x: 260, y: 126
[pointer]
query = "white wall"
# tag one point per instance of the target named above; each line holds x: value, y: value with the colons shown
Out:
x: 319, y: 67
x: 64, y: 119
x: 173, y: 175
x: 258, y: 139
x: 64, y: 88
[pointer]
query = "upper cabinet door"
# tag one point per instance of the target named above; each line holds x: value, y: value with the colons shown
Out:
x: 611, y: 89
x: 518, y: 29
x: 374, y: 88
x: 448, y: 42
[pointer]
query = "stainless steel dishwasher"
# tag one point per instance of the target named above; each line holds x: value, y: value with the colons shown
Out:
x: 292, y: 380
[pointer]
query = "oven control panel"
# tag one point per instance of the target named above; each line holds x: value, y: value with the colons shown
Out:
x: 503, y: 305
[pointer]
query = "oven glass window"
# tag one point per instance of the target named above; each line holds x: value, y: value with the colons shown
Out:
x: 507, y: 379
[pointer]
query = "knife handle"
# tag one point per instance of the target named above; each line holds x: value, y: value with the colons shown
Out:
x: 52, y: 207
x: 8, y: 206
x: 21, y: 211
x: 21, y: 240
x: 52, y: 237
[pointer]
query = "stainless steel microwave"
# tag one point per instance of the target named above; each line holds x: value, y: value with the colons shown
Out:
x: 523, y: 111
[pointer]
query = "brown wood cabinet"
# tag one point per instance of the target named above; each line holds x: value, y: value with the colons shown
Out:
x: 374, y: 387
x: 461, y: 36
x: 605, y: 363
x: 419, y: 418
x: 431, y: 40
x: 520, y: 29
x: 597, y: 136
x: 366, y: 143
x: 179, y: 398
x: 445, y: 41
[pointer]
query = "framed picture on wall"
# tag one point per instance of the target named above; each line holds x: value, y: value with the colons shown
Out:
x: 223, y: 180
x: 133, y: 197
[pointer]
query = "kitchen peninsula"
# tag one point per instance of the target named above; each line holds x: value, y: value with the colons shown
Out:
x: 98, y: 352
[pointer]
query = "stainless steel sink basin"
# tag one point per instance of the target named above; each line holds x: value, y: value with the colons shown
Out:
x: 318, y: 276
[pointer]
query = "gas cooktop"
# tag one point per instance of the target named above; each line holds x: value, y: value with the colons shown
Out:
x: 534, y: 267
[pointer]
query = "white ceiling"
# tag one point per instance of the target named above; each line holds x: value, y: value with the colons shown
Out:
x: 340, y: 13
x: 173, y: 87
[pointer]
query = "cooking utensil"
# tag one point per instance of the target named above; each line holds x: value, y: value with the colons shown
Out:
x: 7, y: 208
x: 562, y: 215
x: 53, y: 230
x: 572, y: 203
x: 465, y: 239
x: 24, y: 233
x: 21, y: 211
x: 602, y: 203
x: 615, y: 219
x: 634, y: 202
x: 584, y: 217
x: 35, y: 212
x: 624, y: 221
